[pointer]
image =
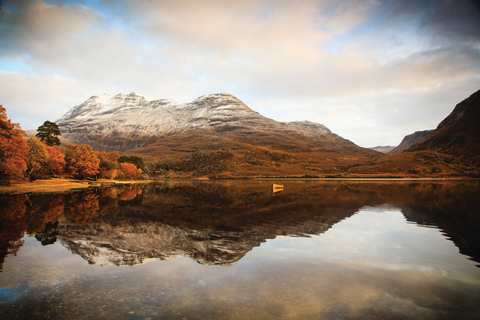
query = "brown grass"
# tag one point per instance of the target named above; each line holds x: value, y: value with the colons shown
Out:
x: 59, y: 185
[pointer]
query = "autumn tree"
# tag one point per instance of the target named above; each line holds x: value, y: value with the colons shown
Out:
x: 108, y: 164
x: 13, y: 149
x: 129, y: 171
x: 137, y: 161
x: 81, y: 161
x: 38, y: 163
x: 57, y: 161
x: 49, y: 132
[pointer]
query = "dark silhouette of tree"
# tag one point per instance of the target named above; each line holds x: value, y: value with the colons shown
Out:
x: 48, y: 132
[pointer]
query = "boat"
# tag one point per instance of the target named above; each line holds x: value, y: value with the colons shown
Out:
x: 277, y: 187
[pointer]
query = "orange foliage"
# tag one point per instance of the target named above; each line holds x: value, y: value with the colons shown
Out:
x: 57, y: 160
x: 129, y: 171
x: 129, y: 193
x: 13, y: 149
x: 82, y: 161
x: 55, y: 209
x: 82, y: 208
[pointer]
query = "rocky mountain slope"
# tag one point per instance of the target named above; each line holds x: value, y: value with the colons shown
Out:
x: 458, y: 135
x: 213, y: 134
x: 410, y: 140
x: 129, y: 121
x: 452, y: 149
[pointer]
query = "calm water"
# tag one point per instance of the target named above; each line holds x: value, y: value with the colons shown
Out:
x: 236, y: 250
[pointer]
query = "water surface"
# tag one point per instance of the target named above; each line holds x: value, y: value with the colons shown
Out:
x: 236, y: 250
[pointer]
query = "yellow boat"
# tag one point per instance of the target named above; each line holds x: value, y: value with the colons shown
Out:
x: 277, y: 187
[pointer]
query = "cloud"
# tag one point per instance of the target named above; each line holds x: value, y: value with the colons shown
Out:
x: 30, y: 100
x: 352, y: 62
x: 453, y: 23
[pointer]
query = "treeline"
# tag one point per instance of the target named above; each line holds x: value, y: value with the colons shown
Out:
x: 40, y: 157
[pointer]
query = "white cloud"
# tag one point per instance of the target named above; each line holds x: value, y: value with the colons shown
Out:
x: 355, y: 66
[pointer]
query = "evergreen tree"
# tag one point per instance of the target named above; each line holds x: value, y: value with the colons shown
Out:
x: 48, y: 132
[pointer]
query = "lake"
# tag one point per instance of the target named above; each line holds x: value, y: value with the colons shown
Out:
x: 234, y: 249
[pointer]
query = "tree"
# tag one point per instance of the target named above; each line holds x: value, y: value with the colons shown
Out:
x: 108, y: 164
x: 48, y: 132
x: 38, y: 163
x: 13, y: 149
x: 132, y: 159
x: 57, y: 161
x: 129, y: 171
x: 81, y: 161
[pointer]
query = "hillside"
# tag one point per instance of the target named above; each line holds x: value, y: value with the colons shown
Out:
x: 452, y: 149
x: 410, y: 140
x: 218, y: 135
x: 458, y: 135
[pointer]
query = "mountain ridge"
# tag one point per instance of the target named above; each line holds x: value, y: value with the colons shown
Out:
x: 214, y: 134
x: 218, y: 135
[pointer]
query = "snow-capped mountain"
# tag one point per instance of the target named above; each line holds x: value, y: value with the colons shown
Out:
x: 215, y: 135
x: 127, y: 121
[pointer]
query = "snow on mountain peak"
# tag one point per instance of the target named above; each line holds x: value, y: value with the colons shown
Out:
x: 131, y: 116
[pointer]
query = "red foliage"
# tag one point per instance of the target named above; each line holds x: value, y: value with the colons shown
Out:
x: 82, y: 161
x: 129, y: 193
x: 57, y: 160
x: 13, y: 149
x: 129, y: 171
x: 82, y: 208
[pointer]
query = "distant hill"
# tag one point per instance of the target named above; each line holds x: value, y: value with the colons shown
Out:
x: 383, y: 149
x: 458, y: 135
x: 452, y: 149
x: 410, y: 140
x: 215, y: 134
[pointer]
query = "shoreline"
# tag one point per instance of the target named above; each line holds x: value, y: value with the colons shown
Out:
x: 60, y: 185
x: 70, y: 185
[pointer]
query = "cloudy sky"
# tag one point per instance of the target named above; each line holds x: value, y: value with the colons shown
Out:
x: 372, y: 71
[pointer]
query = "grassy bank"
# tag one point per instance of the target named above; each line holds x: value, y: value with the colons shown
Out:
x: 59, y: 185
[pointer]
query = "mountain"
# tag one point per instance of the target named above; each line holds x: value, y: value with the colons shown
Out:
x: 410, y: 140
x: 383, y: 149
x: 451, y: 150
x: 213, y: 134
x: 458, y: 135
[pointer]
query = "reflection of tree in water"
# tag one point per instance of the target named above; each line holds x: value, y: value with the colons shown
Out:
x: 130, y: 196
x: 12, y: 226
x: 38, y: 215
x: 49, y: 234
x: 42, y: 209
x: 81, y: 208
x: 218, y: 222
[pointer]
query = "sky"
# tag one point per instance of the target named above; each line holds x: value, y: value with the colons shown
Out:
x: 372, y: 71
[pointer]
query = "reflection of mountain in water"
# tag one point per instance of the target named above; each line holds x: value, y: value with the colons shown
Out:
x: 212, y: 224
x: 217, y: 223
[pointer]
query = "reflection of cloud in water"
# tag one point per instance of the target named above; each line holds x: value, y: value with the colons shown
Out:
x: 378, y: 237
